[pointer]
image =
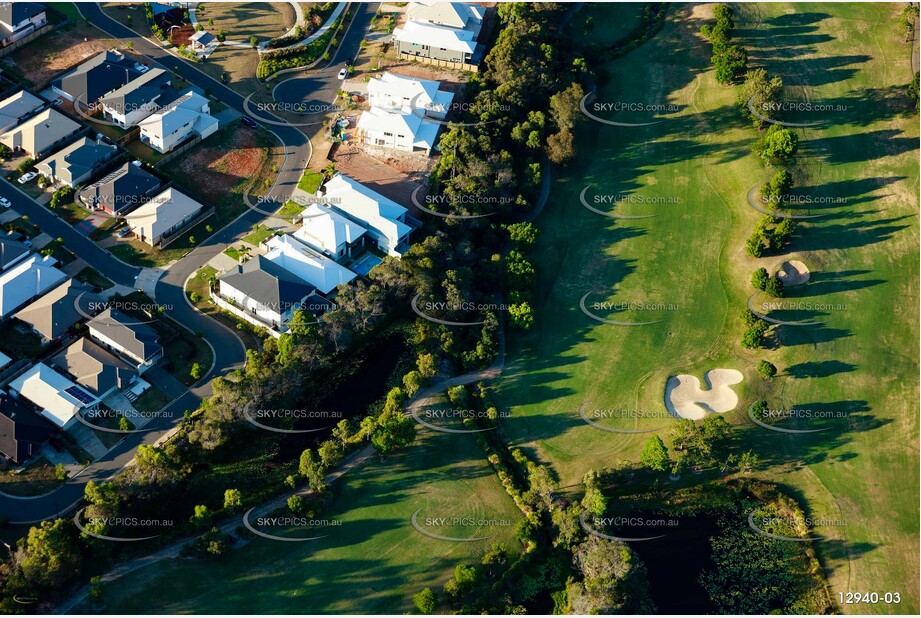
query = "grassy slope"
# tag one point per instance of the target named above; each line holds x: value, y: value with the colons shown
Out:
x: 865, y: 257
x: 374, y: 563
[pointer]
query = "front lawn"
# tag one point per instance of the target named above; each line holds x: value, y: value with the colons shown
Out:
x: 37, y: 479
x: 259, y: 235
x: 93, y: 277
x: 152, y: 400
x: 310, y: 181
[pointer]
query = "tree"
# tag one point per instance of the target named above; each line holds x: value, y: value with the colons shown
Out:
x: 221, y: 36
x: 754, y: 336
x: 593, y: 501
x: 754, y: 246
x: 96, y: 590
x: 560, y: 146
x: 655, y: 455
x: 730, y: 64
x: 425, y: 601
x: 296, y: 504
x: 774, y: 287
x: 748, y: 461
x: 253, y: 42
x: 124, y: 424
x: 330, y: 453
x: 775, y: 189
x: 907, y: 22
x: 777, y: 144
x: 767, y: 370
x: 201, y: 516
x: 914, y: 92
x: 49, y: 556
x: 523, y: 235
x: 312, y: 470
x: 521, y: 315
x: 761, y: 93
x: 411, y: 382
x: 760, y: 278
x: 232, y: 499
x: 196, y: 372
x: 748, y: 317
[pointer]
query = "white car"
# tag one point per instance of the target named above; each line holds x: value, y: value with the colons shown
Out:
x: 141, y: 68
x: 27, y: 177
x: 5, y: 202
x: 343, y: 73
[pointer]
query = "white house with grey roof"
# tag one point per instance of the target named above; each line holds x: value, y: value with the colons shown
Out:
x: 172, y: 124
x: 266, y: 294
x: 128, y: 337
x: 138, y: 99
x: 16, y: 108
x: 77, y: 162
x: 20, y: 19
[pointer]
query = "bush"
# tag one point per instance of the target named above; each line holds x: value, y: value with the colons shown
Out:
x: 25, y: 165
x: 774, y: 287
x: 774, y: 190
x: 767, y: 370
x: 760, y: 278
x: 754, y: 246
x: 425, y: 601
x: 754, y: 336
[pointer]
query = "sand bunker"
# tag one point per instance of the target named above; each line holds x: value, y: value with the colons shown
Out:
x: 793, y: 272
x: 685, y: 399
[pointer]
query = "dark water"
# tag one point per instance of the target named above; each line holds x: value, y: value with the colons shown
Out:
x: 350, y: 396
x: 675, y: 561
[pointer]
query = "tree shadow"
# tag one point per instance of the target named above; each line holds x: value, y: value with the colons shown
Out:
x: 818, y: 369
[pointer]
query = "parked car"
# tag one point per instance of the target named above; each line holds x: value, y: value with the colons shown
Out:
x: 5, y: 202
x: 27, y: 177
x: 249, y: 122
x: 141, y: 68
x: 124, y: 232
x: 343, y: 73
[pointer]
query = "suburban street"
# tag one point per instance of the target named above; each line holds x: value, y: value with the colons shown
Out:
x: 229, y: 351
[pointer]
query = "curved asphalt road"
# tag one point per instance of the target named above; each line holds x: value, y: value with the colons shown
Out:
x: 229, y: 352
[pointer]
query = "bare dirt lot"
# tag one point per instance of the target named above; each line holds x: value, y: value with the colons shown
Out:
x: 392, y: 177
x: 43, y: 59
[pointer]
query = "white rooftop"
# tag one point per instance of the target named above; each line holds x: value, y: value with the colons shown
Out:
x: 30, y: 278
x: 373, y: 209
x: 436, y: 36
x: 401, y: 122
x: 326, y: 230
x: 59, y: 398
x: 398, y: 91
x: 297, y: 258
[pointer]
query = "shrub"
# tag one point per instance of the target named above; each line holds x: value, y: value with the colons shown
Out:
x: 774, y: 287
x: 767, y: 370
x: 760, y: 278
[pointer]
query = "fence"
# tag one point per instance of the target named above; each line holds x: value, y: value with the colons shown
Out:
x: 202, y: 216
x: 178, y: 151
x: 26, y: 39
x: 463, y: 66
x: 243, y: 315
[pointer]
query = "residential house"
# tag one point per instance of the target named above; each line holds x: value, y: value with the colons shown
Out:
x: 101, y: 74
x: 172, y: 124
x: 330, y: 233
x: 77, y: 162
x: 11, y: 251
x: 460, y: 15
x: 100, y: 372
x: 59, y: 399
x: 163, y: 215
x: 19, y: 20
x: 264, y: 292
x: 22, y: 431
x: 54, y: 313
x: 40, y: 134
x: 130, y: 338
x: 27, y: 280
x: 387, y: 222
x: 16, y: 108
x: 437, y: 44
x: 120, y: 191
x: 315, y: 268
x: 394, y: 92
x: 142, y: 96
x: 397, y: 130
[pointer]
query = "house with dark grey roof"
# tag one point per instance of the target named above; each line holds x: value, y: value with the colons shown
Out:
x: 121, y: 191
x: 138, y: 99
x: 77, y: 162
x: 89, y: 365
x: 11, y: 251
x: 20, y: 19
x: 52, y: 315
x: 265, y: 293
x: 22, y: 431
x: 96, y: 77
x: 128, y: 337
x: 16, y: 108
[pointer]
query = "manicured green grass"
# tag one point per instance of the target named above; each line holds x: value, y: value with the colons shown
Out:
x: 310, y: 181
x: 259, y: 235
x: 373, y: 563
x: 94, y: 278
x: 863, y: 360
x: 291, y: 209
x: 152, y: 400
x: 232, y: 252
